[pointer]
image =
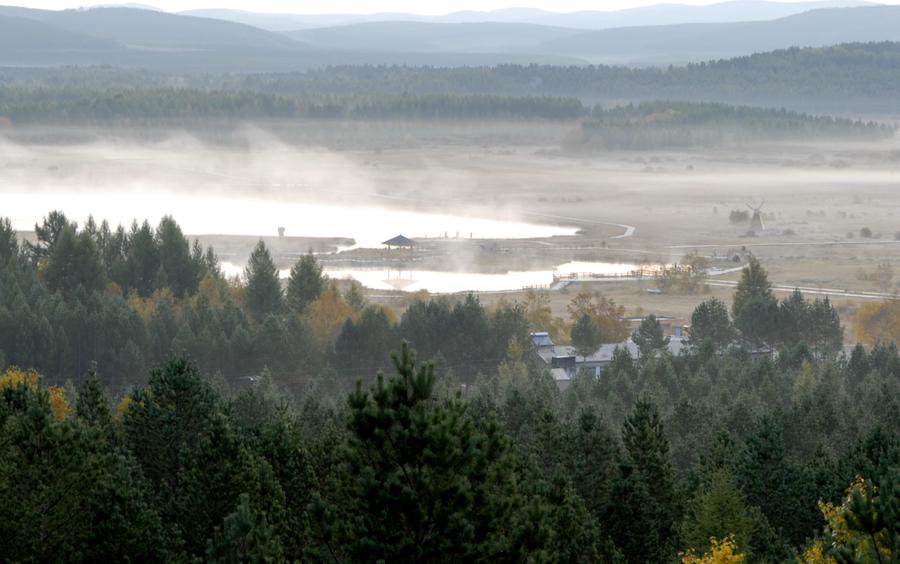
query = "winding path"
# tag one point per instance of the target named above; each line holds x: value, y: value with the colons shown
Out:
x: 629, y: 229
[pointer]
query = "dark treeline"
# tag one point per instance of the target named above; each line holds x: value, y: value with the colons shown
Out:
x: 23, y: 106
x: 117, y: 300
x: 681, y: 124
x: 721, y: 452
x: 647, y: 125
x: 851, y: 77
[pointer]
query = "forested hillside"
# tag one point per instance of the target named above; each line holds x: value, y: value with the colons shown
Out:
x: 177, y: 415
x: 644, y: 126
x: 861, y: 77
x: 657, y: 125
x: 23, y: 106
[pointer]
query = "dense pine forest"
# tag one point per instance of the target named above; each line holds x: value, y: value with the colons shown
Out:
x: 655, y: 125
x: 644, y: 126
x: 860, y: 77
x: 152, y: 408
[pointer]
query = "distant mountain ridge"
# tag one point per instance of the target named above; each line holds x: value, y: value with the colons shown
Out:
x: 163, y: 41
x: 141, y: 28
x: 660, y: 14
x: 697, y: 42
x: 19, y: 34
x: 641, y: 46
x: 434, y: 37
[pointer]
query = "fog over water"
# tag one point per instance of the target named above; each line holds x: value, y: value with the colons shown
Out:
x: 201, y: 214
x: 442, y: 282
x: 250, y: 189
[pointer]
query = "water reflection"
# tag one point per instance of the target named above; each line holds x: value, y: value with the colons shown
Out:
x: 438, y: 282
x: 200, y: 214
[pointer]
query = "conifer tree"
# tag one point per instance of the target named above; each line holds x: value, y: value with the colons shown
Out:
x: 263, y: 291
x: 649, y: 337
x: 175, y: 258
x: 718, y: 511
x: 74, y: 262
x: 755, y: 308
x: 643, y: 497
x: 710, y: 323
x: 9, y: 243
x: 245, y: 536
x: 753, y: 285
x: 142, y: 260
x: 422, y: 483
x: 91, y: 406
x: 773, y: 484
x: 586, y: 336
x: 306, y: 283
x: 47, y: 233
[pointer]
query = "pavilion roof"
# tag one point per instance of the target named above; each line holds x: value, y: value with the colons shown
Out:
x: 399, y: 241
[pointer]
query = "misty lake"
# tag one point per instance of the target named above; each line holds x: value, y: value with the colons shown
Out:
x: 368, y: 225
x: 438, y: 282
x: 219, y: 215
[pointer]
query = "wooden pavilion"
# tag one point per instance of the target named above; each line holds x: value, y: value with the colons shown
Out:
x: 399, y: 242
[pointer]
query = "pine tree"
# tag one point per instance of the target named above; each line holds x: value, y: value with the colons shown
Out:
x: 710, y: 323
x: 91, y: 406
x: 9, y: 242
x: 586, y: 336
x: 142, y: 260
x: 643, y: 497
x: 74, y: 261
x: 175, y: 258
x: 773, y: 484
x: 178, y: 431
x: 755, y: 308
x: 47, y: 233
x: 306, y: 283
x: 420, y: 482
x: 245, y: 536
x: 649, y: 337
x: 826, y: 334
x: 753, y: 285
x: 263, y: 291
x: 718, y: 511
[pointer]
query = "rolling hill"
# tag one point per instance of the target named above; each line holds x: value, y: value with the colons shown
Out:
x: 147, y: 29
x: 697, y: 42
x: 647, y: 45
x: 660, y: 14
x: 24, y: 35
x: 431, y: 37
x: 158, y: 40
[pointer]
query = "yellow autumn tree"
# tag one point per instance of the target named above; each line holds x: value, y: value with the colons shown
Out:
x: 606, y: 312
x: 866, y: 547
x: 328, y: 313
x: 513, y: 370
x: 122, y: 408
x: 877, y: 321
x: 720, y: 552
x: 215, y: 290
x: 59, y: 405
x: 540, y: 315
x: 145, y: 307
x: 14, y: 377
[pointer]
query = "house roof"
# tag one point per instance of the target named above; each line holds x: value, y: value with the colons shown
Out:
x: 399, y: 241
x: 542, y: 339
x: 605, y: 353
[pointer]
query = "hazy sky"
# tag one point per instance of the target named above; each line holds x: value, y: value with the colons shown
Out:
x: 370, y: 6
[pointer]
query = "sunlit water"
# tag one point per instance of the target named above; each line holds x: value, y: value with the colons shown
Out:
x: 214, y: 215
x: 367, y: 225
x: 454, y: 282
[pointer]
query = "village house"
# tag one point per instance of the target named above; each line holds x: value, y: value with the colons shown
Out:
x: 563, y: 363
